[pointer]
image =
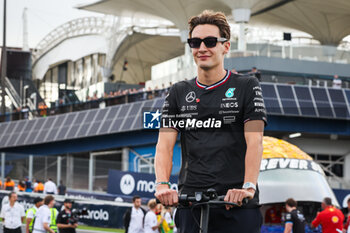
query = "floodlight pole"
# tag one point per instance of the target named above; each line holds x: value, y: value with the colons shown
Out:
x: 3, y: 65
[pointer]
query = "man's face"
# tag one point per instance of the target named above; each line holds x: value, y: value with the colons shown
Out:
x: 52, y: 204
x: 13, y: 197
x: 349, y: 205
x: 68, y: 205
x: 208, y: 58
x: 38, y: 204
x: 137, y: 203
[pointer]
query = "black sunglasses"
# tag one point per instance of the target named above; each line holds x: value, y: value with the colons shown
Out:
x: 210, y: 42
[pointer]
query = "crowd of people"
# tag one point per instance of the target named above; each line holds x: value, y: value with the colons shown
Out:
x: 37, y: 186
x: 41, y: 217
x: 330, y: 218
x: 158, y: 218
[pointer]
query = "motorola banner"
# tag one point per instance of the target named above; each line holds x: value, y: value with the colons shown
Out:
x: 103, y: 215
x: 132, y: 183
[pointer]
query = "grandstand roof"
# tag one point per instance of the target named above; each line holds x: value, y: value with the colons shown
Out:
x: 142, y: 51
x: 326, y: 20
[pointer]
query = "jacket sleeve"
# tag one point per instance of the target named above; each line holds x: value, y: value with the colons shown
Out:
x: 126, y: 219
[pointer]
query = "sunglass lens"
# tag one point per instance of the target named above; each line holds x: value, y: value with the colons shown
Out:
x: 210, y: 42
x: 194, y: 42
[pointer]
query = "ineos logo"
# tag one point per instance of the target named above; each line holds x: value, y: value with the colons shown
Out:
x: 127, y: 184
x: 190, y: 97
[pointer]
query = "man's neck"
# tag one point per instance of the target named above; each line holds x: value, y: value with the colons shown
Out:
x: 136, y: 207
x: 12, y: 203
x: 209, y: 77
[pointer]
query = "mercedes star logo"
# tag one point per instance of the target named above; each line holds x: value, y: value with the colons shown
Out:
x: 190, y: 97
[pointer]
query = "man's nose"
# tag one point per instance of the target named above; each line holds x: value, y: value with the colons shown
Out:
x: 202, y: 46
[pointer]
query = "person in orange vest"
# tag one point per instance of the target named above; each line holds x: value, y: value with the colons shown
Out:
x: 330, y: 218
x: 39, y: 188
x: 21, y: 186
x: 9, y: 184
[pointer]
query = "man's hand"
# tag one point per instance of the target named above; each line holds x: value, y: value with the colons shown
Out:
x: 166, y: 196
x: 75, y: 225
x: 237, y: 195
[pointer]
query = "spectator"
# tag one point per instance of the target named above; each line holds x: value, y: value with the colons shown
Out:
x: 169, y: 218
x: 273, y: 215
x: 134, y: 217
x: 39, y: 187
x: 330, y: 218
x: 31, y: 213
x: 164, y: 228
x: 346, y: 212
x: 12, y: 215
x: 50, y: 187
x: 21, y: 186
x: 336, y: 82
x: 256, y: 73
x: 43, y: 216
x: 62, y: 188
x: 151, y: 223
x: 9, y: 184
x: 234, y: 71
x: 28, y: 184
x: 295, y: 220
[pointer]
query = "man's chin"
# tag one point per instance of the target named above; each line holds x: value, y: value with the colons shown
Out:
x: 205, y: 66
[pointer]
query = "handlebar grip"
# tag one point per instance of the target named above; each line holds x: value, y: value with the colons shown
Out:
x: 244, y: 201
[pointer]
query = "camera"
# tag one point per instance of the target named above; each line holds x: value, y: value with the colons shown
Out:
x: 76, y: 214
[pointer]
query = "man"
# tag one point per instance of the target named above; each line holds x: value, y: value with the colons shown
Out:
x: 346, y: 212
x: 9, y: 184
x: 50, y: 187
x: 64, y: 220
x: 12, y: 214
x: 133, y: 217
x: 62, y: 189
x: 224, y: 155
x: 43, y: 216
x: 295, y: 220
x: 53, y: 216
x: 336, y: 82
x: 31, y: 213
x: 151, y: 222
x: 330, y: 218
x: 28, y: 185
x: 38, y: 187
x: 256, y: 73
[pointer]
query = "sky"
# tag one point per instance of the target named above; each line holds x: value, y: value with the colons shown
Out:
x: 43, y: 17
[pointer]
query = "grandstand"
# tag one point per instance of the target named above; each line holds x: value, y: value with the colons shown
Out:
x: 95, y: 93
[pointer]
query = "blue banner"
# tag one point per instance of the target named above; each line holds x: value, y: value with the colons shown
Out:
x: 132, y: 183
x: 342, y: 196
x: 98, y: 215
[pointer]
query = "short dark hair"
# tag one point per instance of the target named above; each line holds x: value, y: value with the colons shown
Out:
x: 48, y: 199
x: 10, y: 194
x: 210, y: 17
x: 291, y: 202
x: 134, y: 198
x: 327, y: 201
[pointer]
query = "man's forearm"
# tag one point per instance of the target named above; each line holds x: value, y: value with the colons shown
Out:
x: 253, y: 160
x: 47, y: 228
x: 27, y: 224
x: 163, y: 164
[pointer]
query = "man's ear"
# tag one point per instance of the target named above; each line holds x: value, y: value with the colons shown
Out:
x: 227, y: 46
